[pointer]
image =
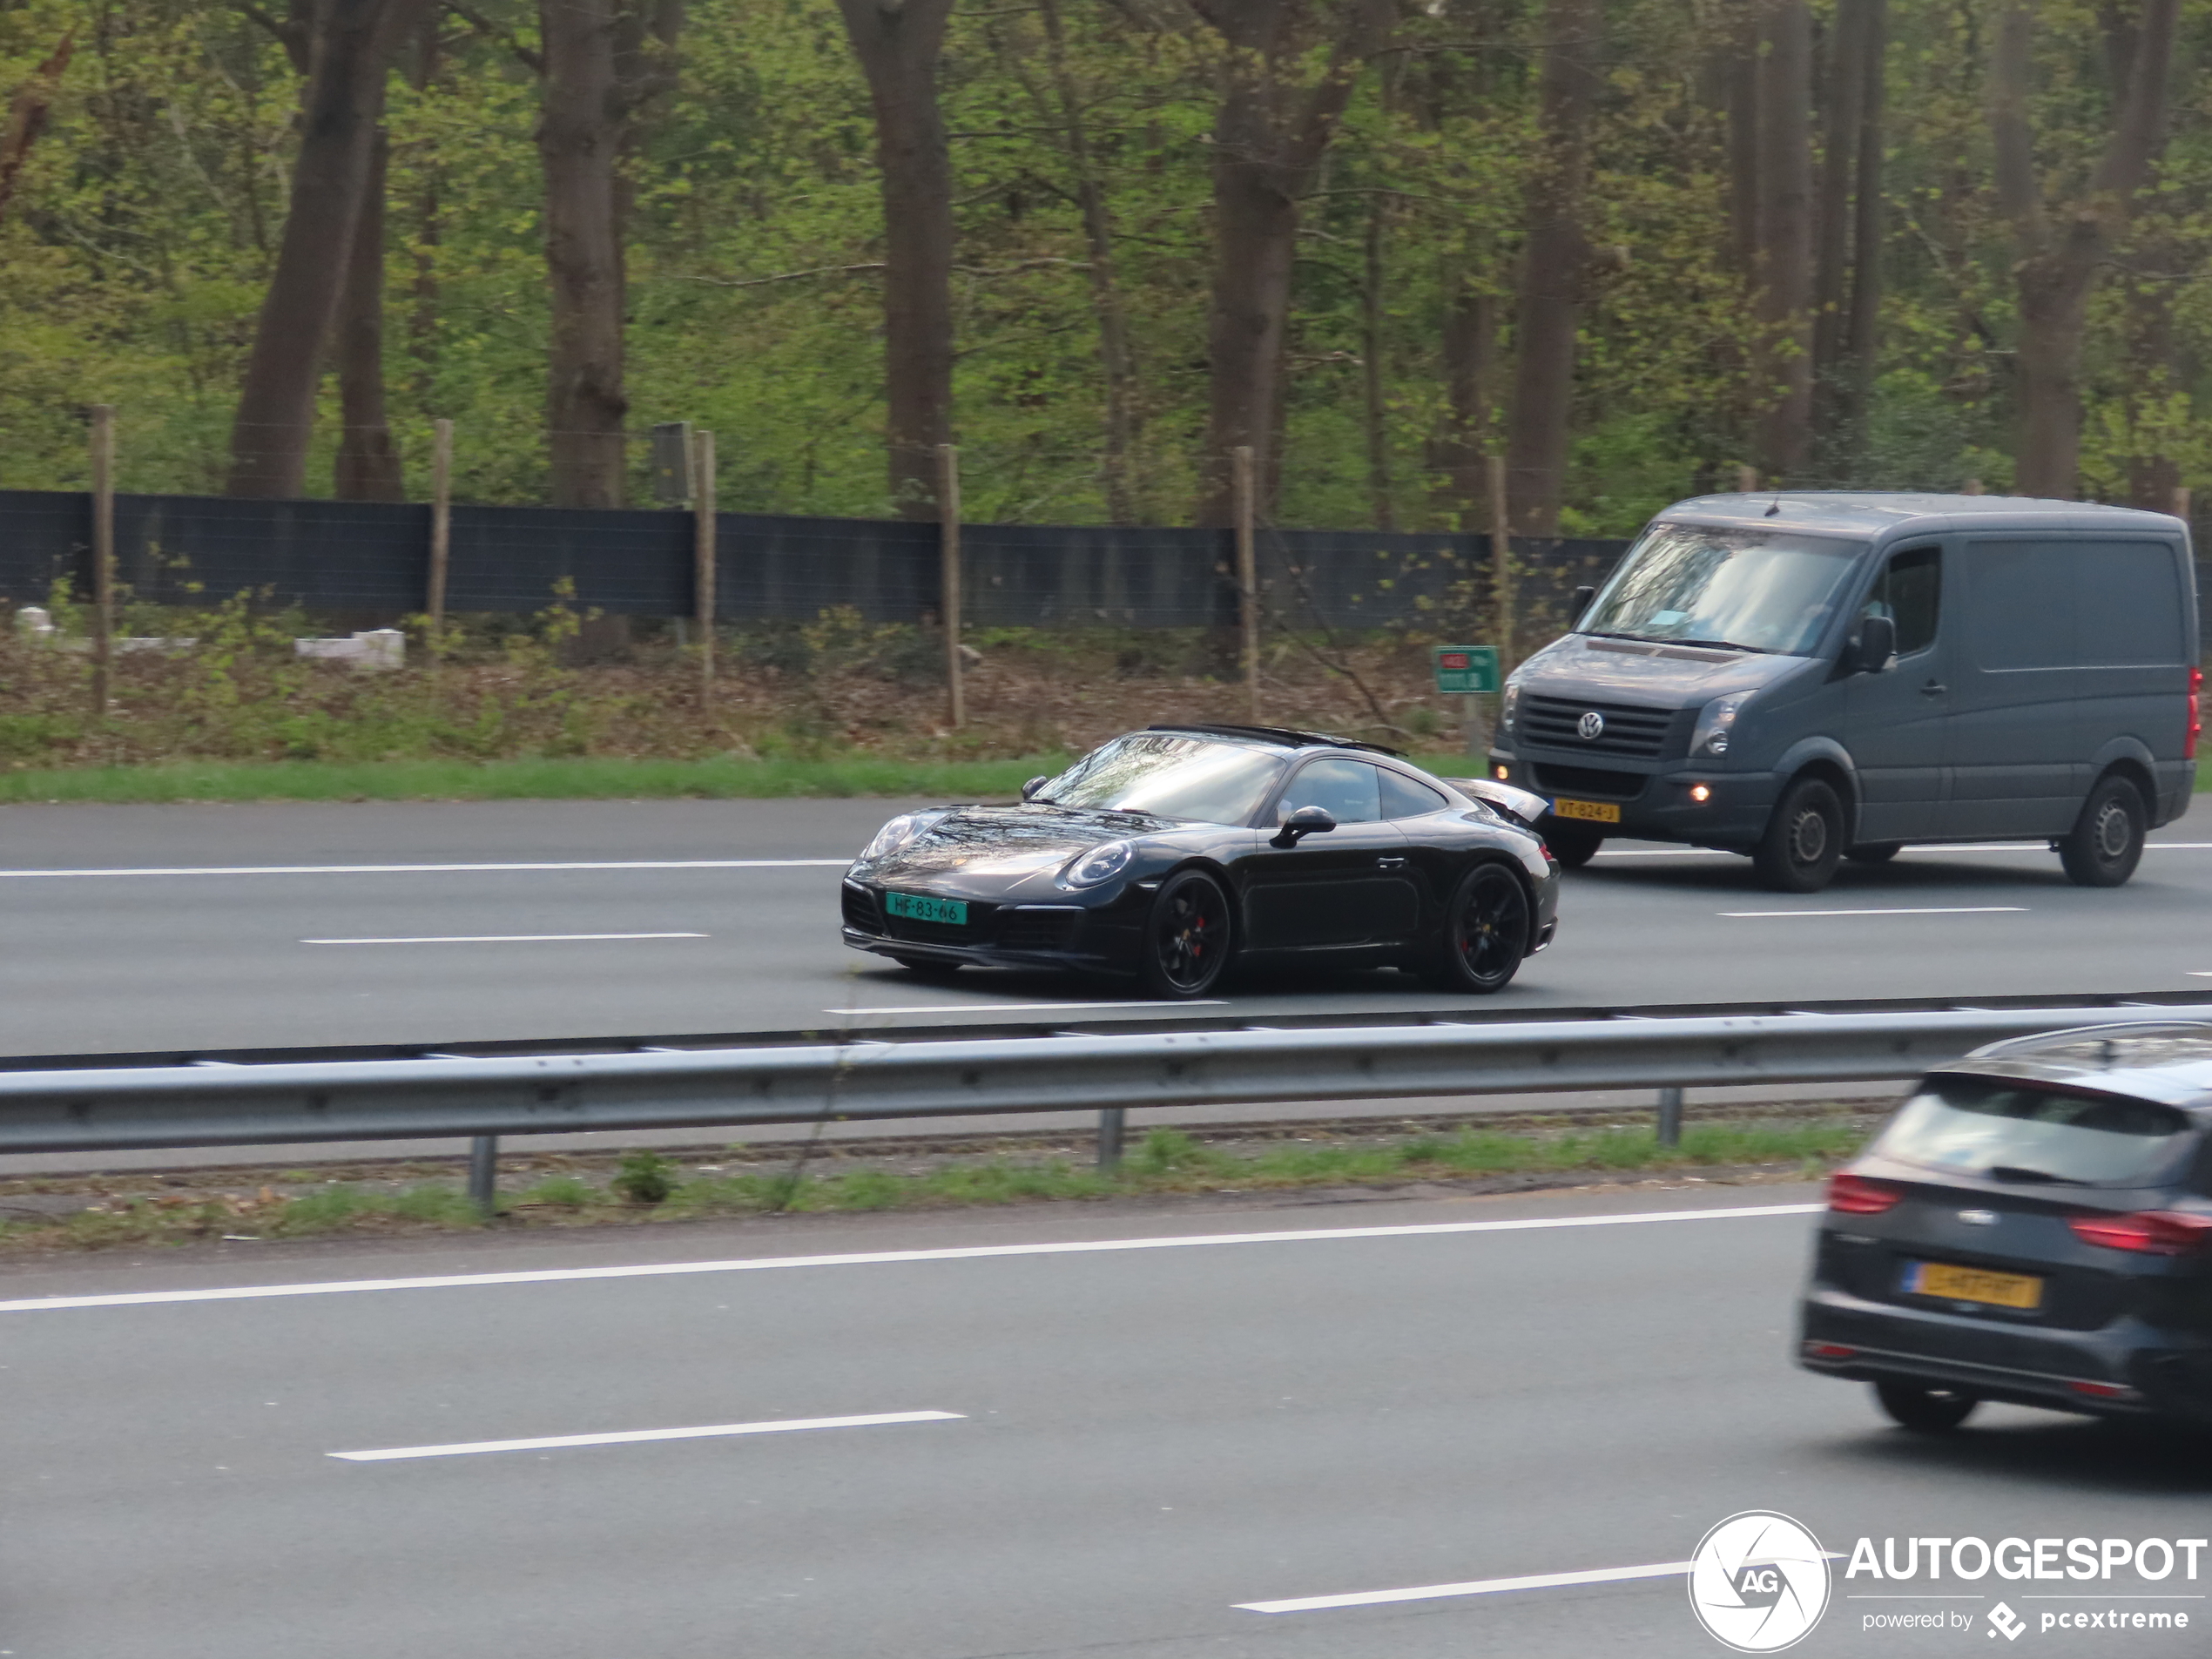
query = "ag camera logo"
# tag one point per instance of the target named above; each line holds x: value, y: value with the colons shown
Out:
x: 1758, y: 1582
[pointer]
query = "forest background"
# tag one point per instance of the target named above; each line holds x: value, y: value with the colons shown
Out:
x: 1632, y: 244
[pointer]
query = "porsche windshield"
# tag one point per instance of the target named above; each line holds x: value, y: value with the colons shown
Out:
x: 1762, y: 591
x: 1169, y: 776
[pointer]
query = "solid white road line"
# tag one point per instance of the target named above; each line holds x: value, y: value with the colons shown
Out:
x: 496, y: 939
x: 1474, y: 1586
x: 422, y: 869
x: 1911, y: 910
x: 1023, y: 1007
x: 631, y: 1436
x: 1910, y: 847
x: 873, y: 1259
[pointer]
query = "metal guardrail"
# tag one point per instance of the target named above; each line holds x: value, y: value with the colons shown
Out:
x: 221, y: 1104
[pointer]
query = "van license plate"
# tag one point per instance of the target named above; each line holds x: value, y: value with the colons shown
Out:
x: 2020, y: 1291
x: 917, y: 907
x: 1597, y: 812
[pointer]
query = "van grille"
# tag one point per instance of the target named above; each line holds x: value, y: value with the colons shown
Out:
x: 1630, y: 732
x: 1589, y: 780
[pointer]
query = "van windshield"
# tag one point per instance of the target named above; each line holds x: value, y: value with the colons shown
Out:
x: 1742, y: 589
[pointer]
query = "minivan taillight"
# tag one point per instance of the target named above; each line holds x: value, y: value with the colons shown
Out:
x: 1854, y: 1195
x: 2197, y: 714
x: 2148, y: 1233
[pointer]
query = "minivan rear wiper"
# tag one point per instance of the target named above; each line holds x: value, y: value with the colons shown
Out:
x: 2015, y: 1172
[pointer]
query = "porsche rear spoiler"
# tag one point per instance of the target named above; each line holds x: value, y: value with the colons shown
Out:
x: 1523, y: 805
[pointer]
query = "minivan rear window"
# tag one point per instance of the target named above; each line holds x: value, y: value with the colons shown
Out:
x: 1981, y: 1127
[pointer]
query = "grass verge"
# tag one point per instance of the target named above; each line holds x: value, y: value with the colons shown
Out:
x: 646, y: 1187
x: 586, y: 778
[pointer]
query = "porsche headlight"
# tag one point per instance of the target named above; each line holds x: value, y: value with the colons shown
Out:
x: 1717, y: 723
x: 894, y: 835
x: 1100, y: 863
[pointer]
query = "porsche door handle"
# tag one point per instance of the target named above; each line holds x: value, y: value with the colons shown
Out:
x: 1390, y: 864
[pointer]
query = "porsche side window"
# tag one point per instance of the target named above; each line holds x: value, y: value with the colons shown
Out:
x: 1403, y: 798
x: 1349, y: 791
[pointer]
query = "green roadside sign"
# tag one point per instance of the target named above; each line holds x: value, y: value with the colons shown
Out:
x: 1466, y: 668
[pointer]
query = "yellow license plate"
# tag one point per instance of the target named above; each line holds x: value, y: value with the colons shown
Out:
x: 1974, y: 1285
x: 1597, y: 812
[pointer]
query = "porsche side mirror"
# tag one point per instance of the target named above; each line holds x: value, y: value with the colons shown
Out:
x: 1307, y: 821
x: 1030, y: 789
x: 1582, y: 597
x: 1876, y: 646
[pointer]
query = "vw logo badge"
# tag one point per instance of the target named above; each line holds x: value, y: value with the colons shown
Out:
x: 1591, y: 726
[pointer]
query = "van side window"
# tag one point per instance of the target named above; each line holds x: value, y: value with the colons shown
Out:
x: 1909, y: 592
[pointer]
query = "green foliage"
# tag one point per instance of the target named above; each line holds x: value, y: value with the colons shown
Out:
x: 138, y: 244
x: 644, y: 1177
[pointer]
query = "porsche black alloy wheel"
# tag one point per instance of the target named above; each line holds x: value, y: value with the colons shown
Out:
x: 1186, y: 937
x: 2106, y: 841
x: 1486, y: 933
x: 1803, y: 840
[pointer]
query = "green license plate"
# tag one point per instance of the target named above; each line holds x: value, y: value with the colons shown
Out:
x: 917, y: 908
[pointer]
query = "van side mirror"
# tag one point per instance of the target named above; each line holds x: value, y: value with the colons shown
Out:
x: 1307, y: 821
x: 1582, y: 597
x: 1030, y: 789
x: 1876, y: 646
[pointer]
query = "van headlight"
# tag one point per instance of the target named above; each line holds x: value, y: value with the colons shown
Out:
x: 1100, y: 863
x: 1511, y: 706
x: 1717, y: 725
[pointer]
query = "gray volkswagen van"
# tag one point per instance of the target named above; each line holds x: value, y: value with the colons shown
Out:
x: 1811, y: 678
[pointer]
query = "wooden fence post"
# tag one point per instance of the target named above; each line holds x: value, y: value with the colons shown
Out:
x: 441, y: 532
x: 703, y: 551
x: 948, y: 543
x: 1248, y: 570
x: 103, y: 554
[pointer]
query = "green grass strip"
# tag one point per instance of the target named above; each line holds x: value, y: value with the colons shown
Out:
x: 587, y: 778
x: 648, y: 1187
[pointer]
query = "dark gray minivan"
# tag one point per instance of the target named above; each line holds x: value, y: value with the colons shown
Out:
x: 1808, y: 678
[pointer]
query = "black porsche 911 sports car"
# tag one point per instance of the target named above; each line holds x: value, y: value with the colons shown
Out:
x: 1170, y: 853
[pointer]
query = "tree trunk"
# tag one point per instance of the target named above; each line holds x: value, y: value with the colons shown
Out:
x: 430, y: 231
x: 1125, y: 497
x: 899, y: 43
x: 1740, y: 80
x: 27, y: 114
x: 1554, y: 268
x: 368, y: 464
x: 1470, y: 393
x: 1272, y: 130
x: 276, y: 406
x: 1781, y: 306
x: 1372, y: 382
x: 1855, y: 370
x: 2059, y: 250
x: 578, y: 141
x: 1844, y: 88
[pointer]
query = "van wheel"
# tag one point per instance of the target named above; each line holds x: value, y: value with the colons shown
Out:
x: 1571, y: 844
x: 2107, y: 840
x: 1925, y: 1410
x: 1874, y: 852
x: 1803, y: 840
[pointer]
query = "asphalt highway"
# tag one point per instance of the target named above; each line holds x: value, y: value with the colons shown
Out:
x: 167, y: 928
x: 994, y: 1435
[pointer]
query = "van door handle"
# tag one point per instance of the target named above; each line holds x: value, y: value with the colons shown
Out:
x: 1933, y: 688
x: 1391, y: 864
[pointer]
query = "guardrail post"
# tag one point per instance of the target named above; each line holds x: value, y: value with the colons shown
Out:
x: 1110, y: 1125
x: 484, y: 1174
x: 1670, y: 1117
